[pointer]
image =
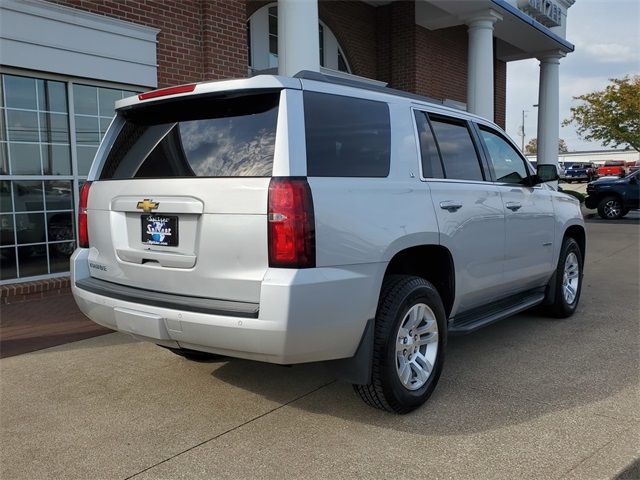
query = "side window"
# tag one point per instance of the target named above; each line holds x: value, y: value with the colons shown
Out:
x: 507, y: 163
x: 458, y: 153
x: 346, y: 137
x: 431, y: 165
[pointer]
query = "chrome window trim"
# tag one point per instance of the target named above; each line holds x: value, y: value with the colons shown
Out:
x: 416, y: 136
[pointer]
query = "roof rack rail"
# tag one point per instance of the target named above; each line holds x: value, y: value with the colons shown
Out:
x: 348, y: 82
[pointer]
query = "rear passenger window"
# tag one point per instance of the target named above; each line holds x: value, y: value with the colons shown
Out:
x: 456, y: 147
x: 346, y: 137
x: 431, y: 165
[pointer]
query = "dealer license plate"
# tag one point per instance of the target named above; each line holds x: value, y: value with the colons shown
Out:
x: 160, y: 230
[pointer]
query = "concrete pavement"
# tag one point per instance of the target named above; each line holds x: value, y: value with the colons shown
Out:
x: 529, y: 397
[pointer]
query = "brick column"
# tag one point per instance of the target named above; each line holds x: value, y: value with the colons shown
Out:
x: 396, y: 45
x: 224, y: 39
x: 500, y: 89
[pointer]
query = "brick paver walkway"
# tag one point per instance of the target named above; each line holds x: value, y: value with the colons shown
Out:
x: 36, y: 324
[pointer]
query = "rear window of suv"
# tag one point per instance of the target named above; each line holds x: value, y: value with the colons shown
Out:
x: 346, y: 137
x: 196, y: 137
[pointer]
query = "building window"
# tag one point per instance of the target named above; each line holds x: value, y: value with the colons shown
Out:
x: 35, y: 130
x: 342, y: 64
x: 321, y: 43
x: 273, y: 36
x: 262, y: 38
x: 94, y: 109
x: 49, y: 133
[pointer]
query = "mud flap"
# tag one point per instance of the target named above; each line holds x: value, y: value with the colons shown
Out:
x: 550, y: 291
x: 356, y: 369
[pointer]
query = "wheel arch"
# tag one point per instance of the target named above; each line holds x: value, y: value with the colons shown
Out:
x: 578, y: 233
x: 603, y: 195
x: 432, y: 262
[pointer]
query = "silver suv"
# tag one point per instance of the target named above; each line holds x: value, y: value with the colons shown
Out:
x: 316, y: 219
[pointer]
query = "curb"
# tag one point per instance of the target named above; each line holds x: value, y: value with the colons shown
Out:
x: 21, y: 292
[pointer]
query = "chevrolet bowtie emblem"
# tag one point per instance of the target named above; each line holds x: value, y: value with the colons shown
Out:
x: 147, y: 205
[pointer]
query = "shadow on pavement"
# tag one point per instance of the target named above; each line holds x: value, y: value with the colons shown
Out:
x: 632, y: 472
x: 632, y: 218
x: 506, y: 374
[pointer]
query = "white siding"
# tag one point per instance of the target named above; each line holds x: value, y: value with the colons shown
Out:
x: 40, y: 36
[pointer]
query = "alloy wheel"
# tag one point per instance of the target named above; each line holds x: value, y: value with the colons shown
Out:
x: 416, y: 346
x: 612, y: 208
x: 570, y: 278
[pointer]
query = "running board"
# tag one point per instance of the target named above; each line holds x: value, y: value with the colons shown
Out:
x: 480, y: 317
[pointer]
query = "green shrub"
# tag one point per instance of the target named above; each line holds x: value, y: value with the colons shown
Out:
x: 573, y: 193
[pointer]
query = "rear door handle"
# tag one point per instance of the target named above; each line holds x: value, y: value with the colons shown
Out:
x: 514, y: 206
x: 450, y: 206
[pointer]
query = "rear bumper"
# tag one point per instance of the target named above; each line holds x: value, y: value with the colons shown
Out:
x: 304, y: 315
x: 172, y: 301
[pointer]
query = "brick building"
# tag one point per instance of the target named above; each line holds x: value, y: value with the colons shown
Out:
x: 65, y: 62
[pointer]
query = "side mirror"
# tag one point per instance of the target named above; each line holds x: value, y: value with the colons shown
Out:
x: 547, y: 173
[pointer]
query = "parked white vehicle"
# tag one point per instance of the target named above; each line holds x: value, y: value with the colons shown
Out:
x: 309, y: 219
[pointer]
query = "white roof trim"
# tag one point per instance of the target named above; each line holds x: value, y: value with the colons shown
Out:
x: 41, y: 36
x: 81, y: 18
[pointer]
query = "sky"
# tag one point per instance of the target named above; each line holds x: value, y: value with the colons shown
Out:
x: 606, y: 34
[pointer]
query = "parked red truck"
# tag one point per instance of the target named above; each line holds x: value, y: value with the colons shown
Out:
x: 612, y: 168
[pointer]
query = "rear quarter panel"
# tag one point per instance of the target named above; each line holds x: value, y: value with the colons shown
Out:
x: 369, y: 220
x: 364, y: 222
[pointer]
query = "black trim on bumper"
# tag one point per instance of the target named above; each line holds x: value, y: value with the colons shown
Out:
x: 168, y: 300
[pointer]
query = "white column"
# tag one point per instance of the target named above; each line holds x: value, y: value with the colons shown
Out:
x: 549, y: 109
x: 298, y: 37
x: 480, y: 93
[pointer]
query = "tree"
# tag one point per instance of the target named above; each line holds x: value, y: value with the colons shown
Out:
x: 531, y: 148
x: 610, y: 116
x: 562, y: 146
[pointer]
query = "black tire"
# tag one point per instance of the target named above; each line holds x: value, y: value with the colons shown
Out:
x: 610, y: 208
x: 624, y: 212
x: 560, y: 308
x: 195, y: 355
x: 568, y: 181
x: 398, y: 295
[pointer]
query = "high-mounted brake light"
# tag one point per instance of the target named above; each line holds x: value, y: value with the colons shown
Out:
x: 163, y: 92
x: 291, y: 224
x: 83, y: 229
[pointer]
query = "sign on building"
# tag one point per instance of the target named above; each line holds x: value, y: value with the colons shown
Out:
x: 547, y: 12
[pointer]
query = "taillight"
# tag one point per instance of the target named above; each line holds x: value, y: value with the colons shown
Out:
x: 291, y: 231
x: 83, y: 230
x: 162, y: 92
